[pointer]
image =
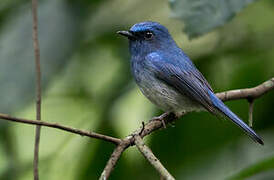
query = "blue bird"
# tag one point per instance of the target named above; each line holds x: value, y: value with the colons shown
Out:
x: 169, y: 79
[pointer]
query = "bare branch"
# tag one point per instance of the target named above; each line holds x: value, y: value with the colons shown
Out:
x: 147, y: 153
x: 38, y: 87
x: 247, y: 93
x: 115, y: 156
x: 64, y: 128
x: 144, y: 130
x: 157, y: 123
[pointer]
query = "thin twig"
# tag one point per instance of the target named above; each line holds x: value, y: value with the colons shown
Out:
x: 250, y: 112
x: 64, y: 128
x: 147, y: 153
x: 252, y: 93
x: 144, y: 130
x: 38, y: 87
x: 115, y: 156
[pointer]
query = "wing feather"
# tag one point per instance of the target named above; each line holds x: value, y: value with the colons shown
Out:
x: 186, y: 80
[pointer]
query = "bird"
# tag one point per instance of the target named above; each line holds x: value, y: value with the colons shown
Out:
x: 169, y: 79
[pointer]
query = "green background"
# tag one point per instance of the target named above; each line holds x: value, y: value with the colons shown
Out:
x: 87, y: 84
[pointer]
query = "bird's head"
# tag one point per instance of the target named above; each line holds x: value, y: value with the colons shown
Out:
x: 146, y: 37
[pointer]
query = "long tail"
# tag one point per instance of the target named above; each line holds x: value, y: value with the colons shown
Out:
x: 234, y: 118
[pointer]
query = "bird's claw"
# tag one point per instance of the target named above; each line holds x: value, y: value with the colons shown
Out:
x: 161, y: 118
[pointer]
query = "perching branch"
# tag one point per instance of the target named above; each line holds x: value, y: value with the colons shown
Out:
x: 151, y: 126
x: 38, y: 87
x: 248, y: 93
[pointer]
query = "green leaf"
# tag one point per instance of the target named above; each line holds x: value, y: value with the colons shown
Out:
x: 202, y: 16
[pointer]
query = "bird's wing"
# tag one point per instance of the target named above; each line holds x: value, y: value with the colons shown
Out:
x: 185, y: 78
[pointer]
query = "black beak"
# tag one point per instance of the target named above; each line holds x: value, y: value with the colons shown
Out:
x: 127, y: 34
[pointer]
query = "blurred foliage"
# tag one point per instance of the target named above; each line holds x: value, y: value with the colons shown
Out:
x: 87, y: 84
x: 201, y: 16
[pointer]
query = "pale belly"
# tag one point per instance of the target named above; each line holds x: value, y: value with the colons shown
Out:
x: 165, y: 97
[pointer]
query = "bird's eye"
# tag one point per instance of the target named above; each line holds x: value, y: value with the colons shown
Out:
x: 148, y: 35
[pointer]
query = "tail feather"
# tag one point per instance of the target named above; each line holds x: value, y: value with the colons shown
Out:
x: 234, y: 118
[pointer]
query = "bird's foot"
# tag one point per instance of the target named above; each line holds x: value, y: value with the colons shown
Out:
x: 161, y: 118
x: 163, y: 122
